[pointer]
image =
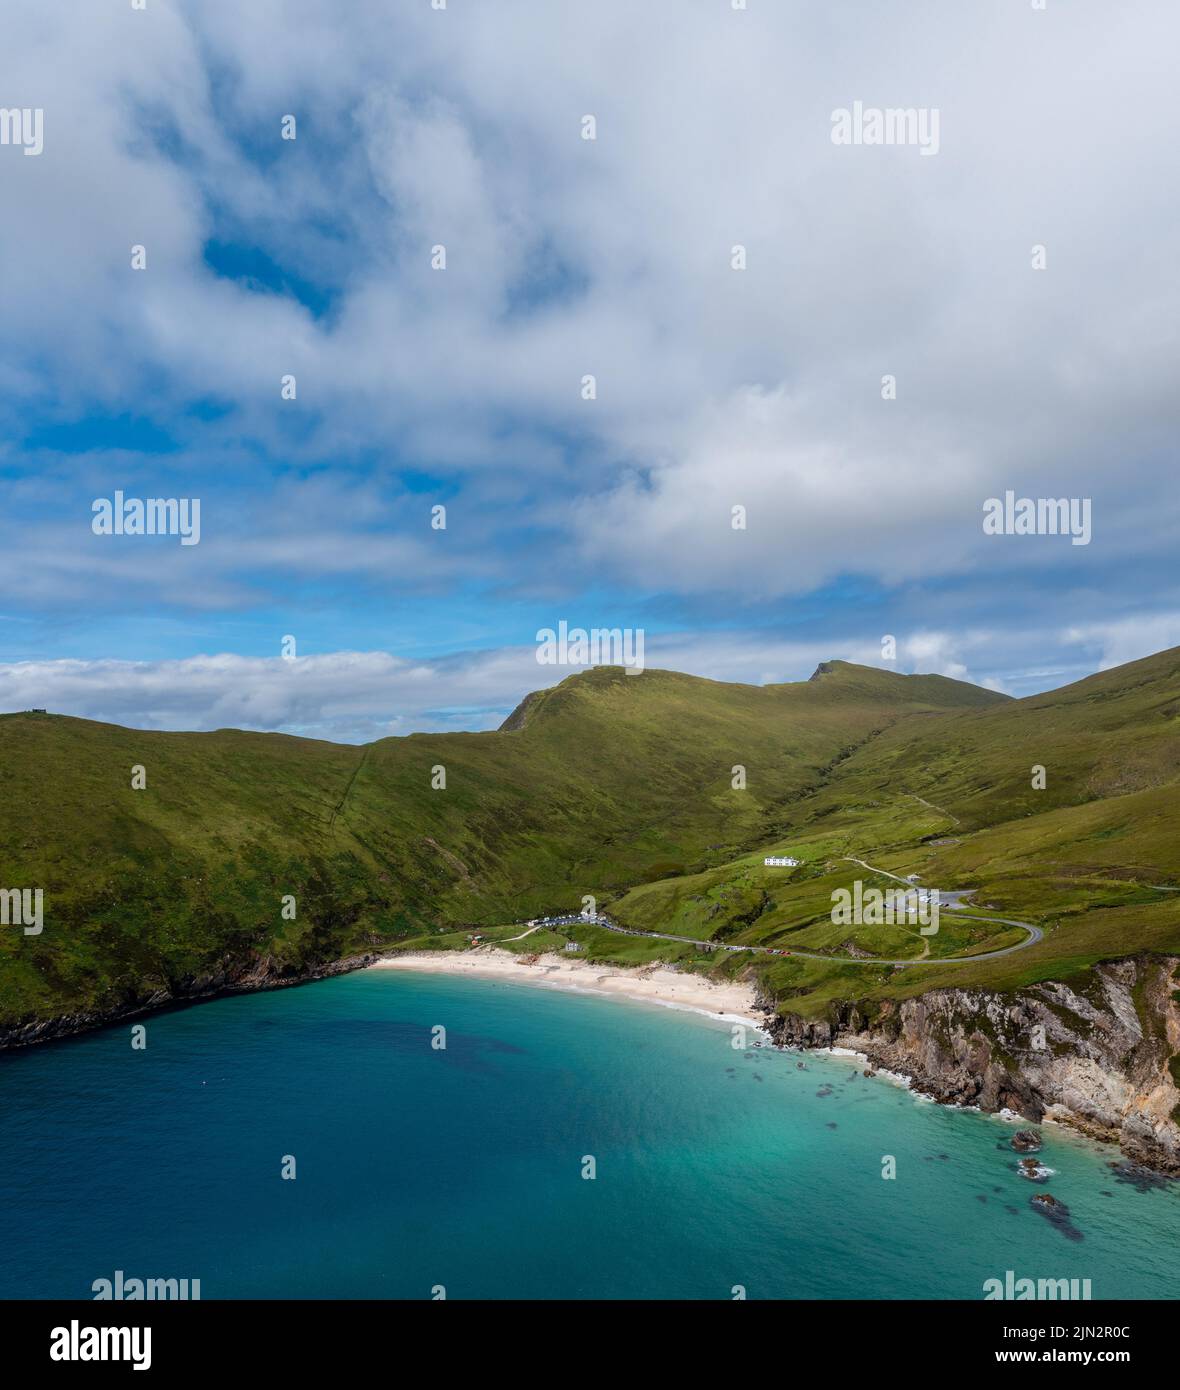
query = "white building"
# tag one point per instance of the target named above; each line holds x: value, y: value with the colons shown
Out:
x: 781, y: 862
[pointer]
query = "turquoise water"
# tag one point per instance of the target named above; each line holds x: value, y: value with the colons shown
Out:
x: 463, y: 1168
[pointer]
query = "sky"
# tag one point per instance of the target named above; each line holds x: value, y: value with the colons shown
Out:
x: 1018, y: 286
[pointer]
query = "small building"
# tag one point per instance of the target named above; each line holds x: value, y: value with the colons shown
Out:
x: 573, y: 946
x: 781, y: 861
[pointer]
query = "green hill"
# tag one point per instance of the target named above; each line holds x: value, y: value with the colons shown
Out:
x: 601, y: 782
x: 1086, y: 857
x: 621, y: 787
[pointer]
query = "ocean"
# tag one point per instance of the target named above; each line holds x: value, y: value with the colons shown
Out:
x: 422, y: 1171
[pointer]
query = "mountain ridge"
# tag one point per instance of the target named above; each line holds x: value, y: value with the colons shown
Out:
x: 631, y: 789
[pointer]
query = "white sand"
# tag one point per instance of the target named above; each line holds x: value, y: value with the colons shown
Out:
x: 653, y: 983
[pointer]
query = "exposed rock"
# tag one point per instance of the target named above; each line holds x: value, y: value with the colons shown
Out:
x: 1095, y: 1058
x: 1026, y: 1141
x: 1033, y: 1169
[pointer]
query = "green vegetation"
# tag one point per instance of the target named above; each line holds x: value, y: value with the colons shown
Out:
x: 616, y: 786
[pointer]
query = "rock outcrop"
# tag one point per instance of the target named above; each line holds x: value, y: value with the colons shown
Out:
x: 1096, y: 1054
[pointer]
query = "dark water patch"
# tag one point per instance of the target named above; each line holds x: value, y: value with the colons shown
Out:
x: 1056, y: 1213
x: 1141, y: 1179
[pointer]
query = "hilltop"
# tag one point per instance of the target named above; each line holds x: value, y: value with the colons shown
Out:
x: 658, y: 795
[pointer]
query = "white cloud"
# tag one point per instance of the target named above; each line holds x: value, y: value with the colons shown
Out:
x: 715, y: 386
x: 359, y: 696
x: 352, y: 696
x: 1126, y: 639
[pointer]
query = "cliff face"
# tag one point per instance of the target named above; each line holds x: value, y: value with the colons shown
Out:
x: 1098, y: 1057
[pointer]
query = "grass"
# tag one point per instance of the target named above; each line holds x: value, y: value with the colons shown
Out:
x: 612, y: 786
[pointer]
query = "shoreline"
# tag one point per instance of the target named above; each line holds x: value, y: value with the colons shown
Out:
x: 731, y: 1002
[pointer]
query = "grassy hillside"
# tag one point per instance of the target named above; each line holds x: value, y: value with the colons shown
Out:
x: 623, y: 788
x: 1088, y: 857
x: 603, y: 782
x: 1111, y: 734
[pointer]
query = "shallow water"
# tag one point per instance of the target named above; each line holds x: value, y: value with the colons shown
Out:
x: 462, y: 1168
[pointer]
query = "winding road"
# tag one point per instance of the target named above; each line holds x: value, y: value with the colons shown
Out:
x: 1035, y: 934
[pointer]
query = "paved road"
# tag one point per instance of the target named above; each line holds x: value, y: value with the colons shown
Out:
x: 1034, y: 935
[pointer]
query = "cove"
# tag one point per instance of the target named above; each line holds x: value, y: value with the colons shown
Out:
x: 419, y: 1170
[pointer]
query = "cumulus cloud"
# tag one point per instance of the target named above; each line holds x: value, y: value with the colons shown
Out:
x: 716, y: 388
x: 612, y: 257
x: 360, y: 696
x: 1127, y: 639
x: 348, y: 696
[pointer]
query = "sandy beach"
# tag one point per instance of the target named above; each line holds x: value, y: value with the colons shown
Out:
x: 652, y: 983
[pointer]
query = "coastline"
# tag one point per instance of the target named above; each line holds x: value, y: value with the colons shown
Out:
x: 732, y: 1002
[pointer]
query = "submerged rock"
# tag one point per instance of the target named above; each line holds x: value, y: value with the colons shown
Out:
x: 1057, y: 1212
x: 1140, y: 1178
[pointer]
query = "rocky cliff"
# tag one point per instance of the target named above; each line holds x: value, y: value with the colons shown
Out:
x: 1096, y: 1054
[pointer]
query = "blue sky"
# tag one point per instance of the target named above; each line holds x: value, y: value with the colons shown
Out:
x: 565, y: 257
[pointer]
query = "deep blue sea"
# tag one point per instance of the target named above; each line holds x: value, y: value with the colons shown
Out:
x: 463, y: 1168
